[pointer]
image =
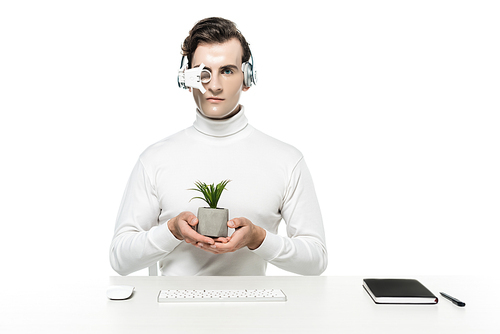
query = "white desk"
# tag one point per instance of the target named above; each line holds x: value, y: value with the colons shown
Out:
x: 315, y: 305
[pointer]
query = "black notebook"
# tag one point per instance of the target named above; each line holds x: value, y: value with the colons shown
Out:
x: 398, y: 291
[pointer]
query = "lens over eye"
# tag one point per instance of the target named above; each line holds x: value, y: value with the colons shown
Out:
x: 205, y: 76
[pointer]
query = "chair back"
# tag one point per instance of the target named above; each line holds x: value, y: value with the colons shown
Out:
x: 153, y: 269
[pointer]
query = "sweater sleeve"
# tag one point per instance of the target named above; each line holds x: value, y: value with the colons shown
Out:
x: 303, y: 250
x: 139, y: 240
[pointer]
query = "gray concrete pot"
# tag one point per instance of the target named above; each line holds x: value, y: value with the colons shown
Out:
x: 212, y: 222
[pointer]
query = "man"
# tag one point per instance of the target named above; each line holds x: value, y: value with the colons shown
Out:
x: 270, y: 182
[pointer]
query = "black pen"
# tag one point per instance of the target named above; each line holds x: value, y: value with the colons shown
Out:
x: 453, y: 299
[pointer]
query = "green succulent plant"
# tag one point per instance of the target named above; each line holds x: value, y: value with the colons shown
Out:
x: 211, y: 193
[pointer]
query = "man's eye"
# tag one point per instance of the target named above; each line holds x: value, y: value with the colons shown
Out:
x: 227, y: 71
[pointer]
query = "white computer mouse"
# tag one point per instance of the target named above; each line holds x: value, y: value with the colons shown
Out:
x: 119, y: 292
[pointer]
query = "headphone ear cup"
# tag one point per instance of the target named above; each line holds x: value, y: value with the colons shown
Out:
x: 181, y: 80
x: 247, y: 74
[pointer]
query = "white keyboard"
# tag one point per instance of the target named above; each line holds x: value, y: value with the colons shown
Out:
x: 258, y: 295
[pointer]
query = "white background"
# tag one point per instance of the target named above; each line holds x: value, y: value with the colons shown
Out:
x: 395, y: 105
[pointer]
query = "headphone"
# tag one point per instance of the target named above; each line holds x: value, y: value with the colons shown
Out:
x: 192, y: 77
x: 249, y: 74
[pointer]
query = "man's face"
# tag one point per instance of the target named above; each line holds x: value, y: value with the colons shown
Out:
x: 223, y: 91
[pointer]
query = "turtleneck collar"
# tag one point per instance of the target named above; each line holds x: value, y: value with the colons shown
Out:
x: 222, y: 127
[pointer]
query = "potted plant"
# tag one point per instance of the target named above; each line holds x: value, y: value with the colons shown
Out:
x: 212, y: 221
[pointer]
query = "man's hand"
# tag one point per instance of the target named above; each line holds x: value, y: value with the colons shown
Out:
x: 182, y: 227
x: 246, y: 235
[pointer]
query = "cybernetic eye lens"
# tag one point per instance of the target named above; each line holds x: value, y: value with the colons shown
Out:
x: 205, y: 76
x: 194, y: 77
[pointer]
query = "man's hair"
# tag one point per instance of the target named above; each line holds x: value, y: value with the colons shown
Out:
x: 213, y: 30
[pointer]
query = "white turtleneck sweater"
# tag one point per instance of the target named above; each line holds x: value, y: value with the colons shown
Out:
x: 270, y: 182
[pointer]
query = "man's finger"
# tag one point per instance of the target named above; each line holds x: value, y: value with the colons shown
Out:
x: 190, y: 218
x: 222, y: 239
x: 230, y: 246
x: 195, y: 237
x: 236, y: 223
